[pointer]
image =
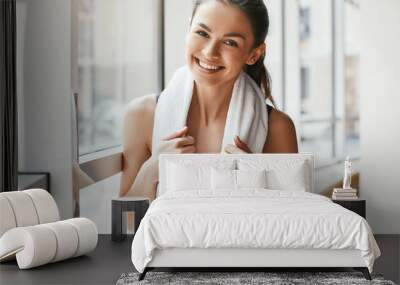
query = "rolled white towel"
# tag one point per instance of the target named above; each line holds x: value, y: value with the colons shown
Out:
x: 40, y: 244
x: 247, y: 115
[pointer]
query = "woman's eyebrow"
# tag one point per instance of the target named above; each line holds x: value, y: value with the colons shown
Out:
x: 232, y: 34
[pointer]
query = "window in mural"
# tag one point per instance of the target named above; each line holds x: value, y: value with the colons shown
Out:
x: 315, y: 52
x: 352, y: 32
x: 119, y: 59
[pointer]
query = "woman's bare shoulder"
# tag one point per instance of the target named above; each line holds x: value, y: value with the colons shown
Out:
x: 143, y: 105
x: 138, y: 118
x: 281, y: 136
x: 279, y: 120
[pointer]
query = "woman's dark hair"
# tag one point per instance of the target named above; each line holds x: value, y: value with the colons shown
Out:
x: 257, y: 13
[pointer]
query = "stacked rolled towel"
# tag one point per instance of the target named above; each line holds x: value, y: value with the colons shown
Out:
x: 344, y: 194
x: 31, y: 232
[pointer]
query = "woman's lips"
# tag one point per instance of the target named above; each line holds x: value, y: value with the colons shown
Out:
x: 203, y: 67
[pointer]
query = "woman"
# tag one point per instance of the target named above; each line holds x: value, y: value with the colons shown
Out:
x: 215, y: 55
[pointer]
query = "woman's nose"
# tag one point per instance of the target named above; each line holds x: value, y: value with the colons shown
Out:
x: 211, y: 50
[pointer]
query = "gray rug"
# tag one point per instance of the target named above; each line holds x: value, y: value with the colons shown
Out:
x: 228, y: 278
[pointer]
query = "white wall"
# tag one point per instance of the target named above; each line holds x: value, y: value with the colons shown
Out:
x: 380, y: 116
x: 44, y: 94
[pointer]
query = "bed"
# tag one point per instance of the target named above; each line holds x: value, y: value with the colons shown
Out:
x: 247, y: 210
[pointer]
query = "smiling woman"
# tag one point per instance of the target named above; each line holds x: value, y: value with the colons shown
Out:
x: 214, y: 104
x: 237, y: 44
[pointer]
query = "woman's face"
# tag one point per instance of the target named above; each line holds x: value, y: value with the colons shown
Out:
x: 219, y: 43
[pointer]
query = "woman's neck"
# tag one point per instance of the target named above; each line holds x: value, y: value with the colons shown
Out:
x: 211, y: 103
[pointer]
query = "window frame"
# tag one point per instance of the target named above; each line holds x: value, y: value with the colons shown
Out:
x: 75, y: 75
x: 338, y: 114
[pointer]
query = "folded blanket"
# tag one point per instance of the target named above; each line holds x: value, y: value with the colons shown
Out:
x: 247, y: 114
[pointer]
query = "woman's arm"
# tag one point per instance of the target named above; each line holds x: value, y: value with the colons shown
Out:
x: 281, y: 136
x: 139, y: 172
x: 140, y: 168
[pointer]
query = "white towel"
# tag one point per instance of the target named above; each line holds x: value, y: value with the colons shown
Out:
x: 247, y: 114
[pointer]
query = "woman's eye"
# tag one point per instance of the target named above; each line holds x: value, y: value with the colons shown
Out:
x: 202, y: 33
x: 231, y: 43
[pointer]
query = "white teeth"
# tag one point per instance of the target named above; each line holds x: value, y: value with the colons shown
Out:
x: 206, y: 66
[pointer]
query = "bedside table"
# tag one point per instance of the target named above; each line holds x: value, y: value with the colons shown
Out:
x: 357, y: 206
x: 119, y: 205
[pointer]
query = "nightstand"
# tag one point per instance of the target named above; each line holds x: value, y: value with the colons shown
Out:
x: 119, y: 205
x: 357, y: 206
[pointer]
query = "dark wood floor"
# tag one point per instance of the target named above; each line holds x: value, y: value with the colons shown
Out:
x: 110, y: 260
x: 102, y: 266
x: 389, y: 262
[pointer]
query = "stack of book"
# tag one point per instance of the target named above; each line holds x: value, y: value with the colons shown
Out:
x: 344, y: 194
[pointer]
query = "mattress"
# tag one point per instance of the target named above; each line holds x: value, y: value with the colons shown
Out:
x: 250, y: 219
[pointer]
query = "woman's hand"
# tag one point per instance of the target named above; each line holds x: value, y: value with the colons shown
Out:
x: 239, y: 147
x: 177, y: 143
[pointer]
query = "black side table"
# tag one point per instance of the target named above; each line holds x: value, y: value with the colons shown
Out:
x: 119, y: 205
x: 357, y: 206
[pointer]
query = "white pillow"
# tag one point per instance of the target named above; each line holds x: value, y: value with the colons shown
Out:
x: 236, y: 179
x: 223, y: 179
x: 181, y: 177
x: 282, y: 173
x: 294, y: 178
x: 251, y: 178
x: 186, y: 176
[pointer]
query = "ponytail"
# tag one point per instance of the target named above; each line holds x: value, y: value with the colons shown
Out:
x: 259, y: 73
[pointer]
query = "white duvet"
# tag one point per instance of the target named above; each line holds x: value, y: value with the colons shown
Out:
x: 253, y: 218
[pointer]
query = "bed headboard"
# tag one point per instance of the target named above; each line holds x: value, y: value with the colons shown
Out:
x: 275, y: 161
